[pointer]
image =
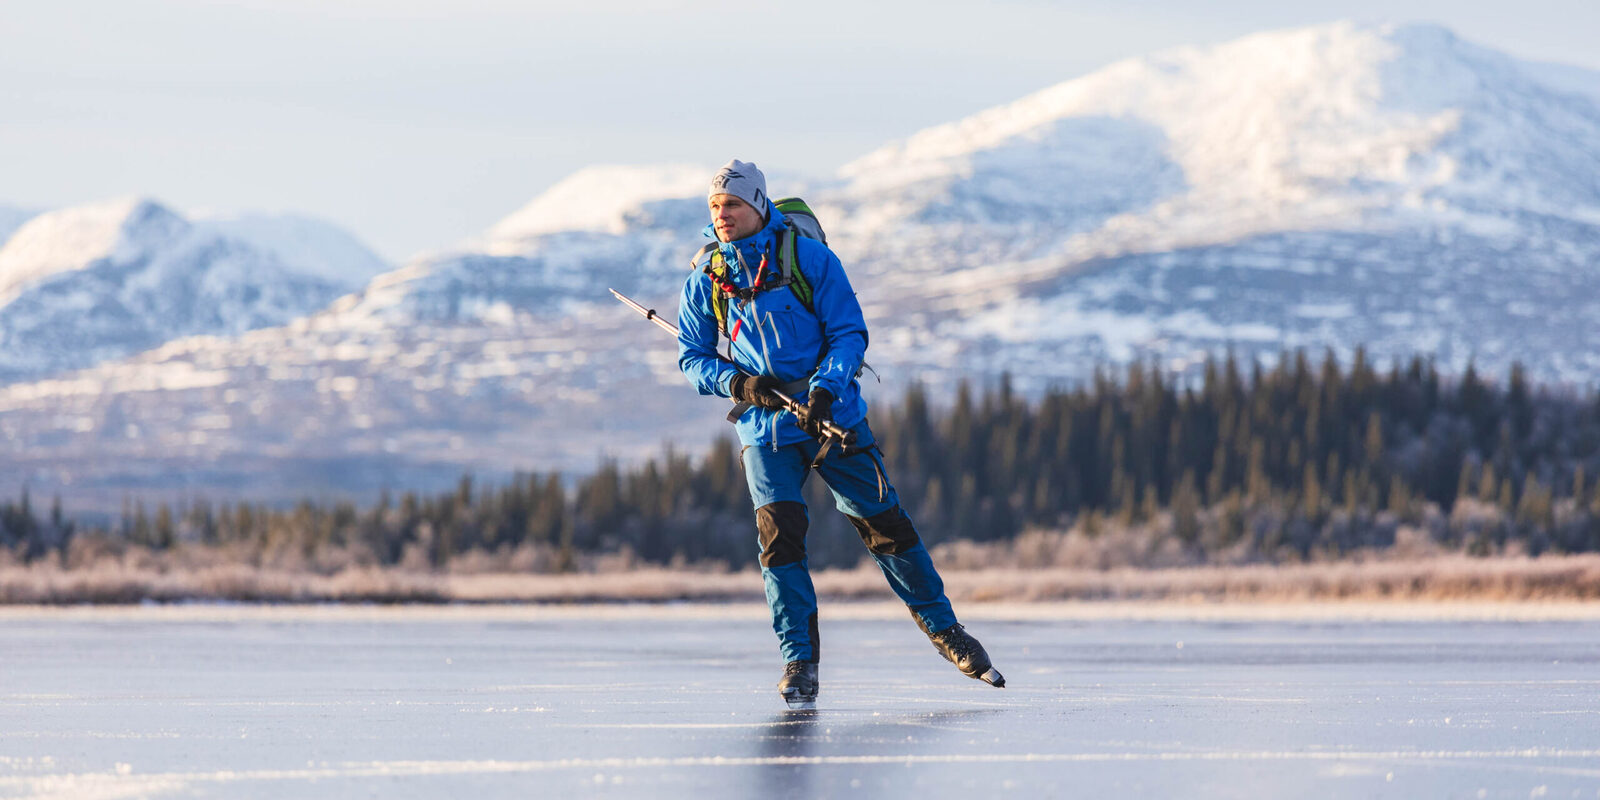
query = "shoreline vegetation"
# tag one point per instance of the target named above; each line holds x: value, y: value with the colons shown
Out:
x: 1436, y: 578
x: 1293, y: 483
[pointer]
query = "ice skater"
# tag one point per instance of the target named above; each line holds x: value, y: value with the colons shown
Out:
x: 770, y: 286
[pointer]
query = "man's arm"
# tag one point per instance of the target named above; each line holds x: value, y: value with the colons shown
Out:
x: 697, y: 340
x: 844, y: 329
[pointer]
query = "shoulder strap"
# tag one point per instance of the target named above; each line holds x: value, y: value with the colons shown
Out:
x: 789, y: 269
x: 717, y: 271
x: 719, y: 295
x: 694, y: 263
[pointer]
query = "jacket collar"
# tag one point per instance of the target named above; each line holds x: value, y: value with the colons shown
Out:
x: 750, y: 247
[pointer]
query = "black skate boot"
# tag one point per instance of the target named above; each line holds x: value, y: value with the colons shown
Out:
x: 959, y: 648
x: 799, y: 684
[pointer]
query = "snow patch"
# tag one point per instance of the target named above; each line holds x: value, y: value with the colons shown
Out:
x: 1324, y: 310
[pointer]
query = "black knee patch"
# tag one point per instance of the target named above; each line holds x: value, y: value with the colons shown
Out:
x: 889, y: 533
x: 782, y: 527
x: 816, y: 638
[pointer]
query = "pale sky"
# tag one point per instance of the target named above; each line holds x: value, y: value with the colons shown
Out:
x: 416, y: 123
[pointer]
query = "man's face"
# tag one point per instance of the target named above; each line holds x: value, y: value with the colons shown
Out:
x: 733, y: 218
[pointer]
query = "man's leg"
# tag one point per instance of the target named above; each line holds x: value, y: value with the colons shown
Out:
x: 894, y: 544
x: 790, y: 595
x: 862, y: 491
x: 775, y: 479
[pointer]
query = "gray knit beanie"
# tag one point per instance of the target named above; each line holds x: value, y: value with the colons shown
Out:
x: 742, y: 180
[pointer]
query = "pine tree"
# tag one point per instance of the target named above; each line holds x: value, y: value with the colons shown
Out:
x: 1400, y: 498
x: 1312, y: 493
x: 1186, y: 510
x: 1464, y: 481
x: 1488, y: 484
x: 165, y: 531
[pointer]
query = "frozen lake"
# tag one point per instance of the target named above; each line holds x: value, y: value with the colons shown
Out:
x: 242, y: 702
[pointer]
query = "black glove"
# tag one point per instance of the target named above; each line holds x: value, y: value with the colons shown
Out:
x: 817, y: 413
x: 755, y: 390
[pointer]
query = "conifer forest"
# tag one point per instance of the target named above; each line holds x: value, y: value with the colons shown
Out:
x: 1307, y: 460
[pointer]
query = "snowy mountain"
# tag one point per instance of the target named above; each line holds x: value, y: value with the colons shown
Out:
x: 1332, y: 186
x: 602, y: 199
x: 83, y: 285
x: 1328, y: 187
x: 604, y: 226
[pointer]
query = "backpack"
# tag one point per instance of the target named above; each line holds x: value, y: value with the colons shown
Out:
x: 801, y: 221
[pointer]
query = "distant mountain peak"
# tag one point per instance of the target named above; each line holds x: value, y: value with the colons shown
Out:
x: 106, y: 279
x: 1281, y: 130
x: 72, y: 238
x: 596, y: 199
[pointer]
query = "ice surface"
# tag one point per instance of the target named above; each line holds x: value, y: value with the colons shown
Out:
x: 679, y: 702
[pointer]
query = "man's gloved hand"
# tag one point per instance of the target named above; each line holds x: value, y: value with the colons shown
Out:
x: 817, y: 413
x: 755, y: 390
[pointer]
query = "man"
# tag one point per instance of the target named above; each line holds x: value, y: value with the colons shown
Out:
x: 803, y: 337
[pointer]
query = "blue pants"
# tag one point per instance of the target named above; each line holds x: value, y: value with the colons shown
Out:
x: 861, y: 490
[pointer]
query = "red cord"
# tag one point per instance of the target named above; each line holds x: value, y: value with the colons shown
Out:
x: 733, y: 291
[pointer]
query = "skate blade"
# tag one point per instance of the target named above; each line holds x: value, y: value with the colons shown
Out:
x: 993, y: 678
x: 801, y: 704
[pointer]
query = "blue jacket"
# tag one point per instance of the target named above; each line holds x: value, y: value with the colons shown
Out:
x: 777, y: 336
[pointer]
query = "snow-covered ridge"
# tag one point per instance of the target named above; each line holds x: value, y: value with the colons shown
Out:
x: 72, y: 238
x: 125, y: 229
x: 12, y: 218
x: 1273, y: 131
x: 615, y: 226
x: 1564, y: 78
x: 305, y: 246
x: 596, y: 199
x: 104, y: 280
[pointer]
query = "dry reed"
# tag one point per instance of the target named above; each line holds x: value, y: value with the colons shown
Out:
x: 1430, y: 577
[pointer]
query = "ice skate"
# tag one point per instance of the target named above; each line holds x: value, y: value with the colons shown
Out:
x: 799, y: 685
x: 959, y: 648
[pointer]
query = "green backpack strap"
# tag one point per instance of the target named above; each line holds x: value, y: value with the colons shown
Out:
x: 717, y: 270
x: 789, y: 272
x: 719, y: 298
